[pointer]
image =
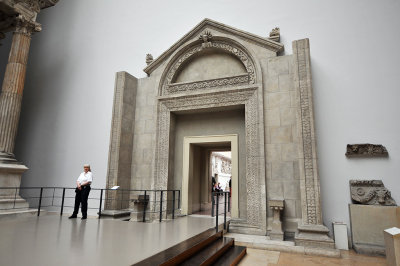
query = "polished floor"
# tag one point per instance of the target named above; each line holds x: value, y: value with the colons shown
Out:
x: 55, y: 240
x: 276, y: 258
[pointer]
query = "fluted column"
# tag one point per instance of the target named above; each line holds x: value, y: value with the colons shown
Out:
x: 13, y: 84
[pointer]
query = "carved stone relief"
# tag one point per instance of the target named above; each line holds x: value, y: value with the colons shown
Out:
x: 254, y: 158
x: 370, y: 192
x: 169, y: 87
x: 366, y: 150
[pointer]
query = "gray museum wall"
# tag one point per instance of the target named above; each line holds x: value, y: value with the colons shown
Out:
x: 67, y: 104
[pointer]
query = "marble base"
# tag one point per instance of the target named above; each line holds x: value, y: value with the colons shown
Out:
x: 367, y: 225
x: 314, y: 236
x: 241, y: 227
x: 10, y: 180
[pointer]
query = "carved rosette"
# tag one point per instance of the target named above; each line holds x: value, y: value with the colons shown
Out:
x: 169, y: 88
x: 370, y: 192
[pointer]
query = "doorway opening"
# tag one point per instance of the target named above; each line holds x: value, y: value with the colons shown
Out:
x: 207, y: 159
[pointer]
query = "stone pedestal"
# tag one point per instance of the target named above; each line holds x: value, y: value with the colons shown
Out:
x: 392, y: 243
x: 367, y: 225
x: 277, y: 207
x: 10, y: 179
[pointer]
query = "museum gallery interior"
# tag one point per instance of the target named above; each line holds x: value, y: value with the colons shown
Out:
x: 216, y: 148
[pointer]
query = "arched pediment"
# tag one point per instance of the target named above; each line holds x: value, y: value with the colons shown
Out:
x: 208, y: 63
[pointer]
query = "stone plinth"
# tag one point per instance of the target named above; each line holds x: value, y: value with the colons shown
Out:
x: 10, y: 178
x: 277, y: 207
x: 392, y: 242
x: 141, y: 203
x: 367, y: 225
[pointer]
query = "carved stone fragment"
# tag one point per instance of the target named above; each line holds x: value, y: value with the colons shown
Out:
x: 366, y: 150
x: 370, y: 192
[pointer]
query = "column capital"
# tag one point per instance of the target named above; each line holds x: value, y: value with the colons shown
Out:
x: 25, y: 26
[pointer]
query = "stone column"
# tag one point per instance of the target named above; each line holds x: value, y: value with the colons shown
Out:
x: 312, y: 232
x: 10, y: 108
x: 13, y: 85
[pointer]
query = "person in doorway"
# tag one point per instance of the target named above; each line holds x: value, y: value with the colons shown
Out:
x: 213, y: 182
x: 82, y: 190
x: 230, y: 186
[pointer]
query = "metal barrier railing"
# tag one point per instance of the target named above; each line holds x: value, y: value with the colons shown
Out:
x: 218, y: 198
x: 137, y: 201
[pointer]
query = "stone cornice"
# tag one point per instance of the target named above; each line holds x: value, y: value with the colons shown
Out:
x: 263, y: 42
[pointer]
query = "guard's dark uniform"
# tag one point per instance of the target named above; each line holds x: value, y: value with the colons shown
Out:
x: 81, y: 197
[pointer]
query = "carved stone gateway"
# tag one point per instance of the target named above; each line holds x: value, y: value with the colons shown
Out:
x: 370, y: 192
x: 212, y: 70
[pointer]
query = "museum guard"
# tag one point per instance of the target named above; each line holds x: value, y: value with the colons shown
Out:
x: 82, y: 191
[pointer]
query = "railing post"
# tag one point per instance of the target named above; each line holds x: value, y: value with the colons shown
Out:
x: 101, y: 201
x: 62, y: 202
x: 15, y: 197
x: 52, y: 201
x: 225, y: 210
x: 145, y: 206
x: 179, y: 199
x: 173, y: 204
x: 161, y: 199
x: 212, y: 204
x: 229, y: 201
x: 216, y: 214
x: 40, y: 201
x: 122, y: 197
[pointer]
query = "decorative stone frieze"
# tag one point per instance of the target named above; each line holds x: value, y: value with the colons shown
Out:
x: 370, y: 192
x: 207, y: 84
x: 366, y: 150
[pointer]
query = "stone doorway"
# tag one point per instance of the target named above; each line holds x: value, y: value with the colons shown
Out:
x: 196, y: 176
x: 208, y: 163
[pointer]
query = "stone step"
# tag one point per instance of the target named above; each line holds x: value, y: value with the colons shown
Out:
x: 9, y: 204
x: 19, y: 213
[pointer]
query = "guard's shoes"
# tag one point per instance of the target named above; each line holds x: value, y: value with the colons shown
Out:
x: 73, y: 216
x: 84, y: 218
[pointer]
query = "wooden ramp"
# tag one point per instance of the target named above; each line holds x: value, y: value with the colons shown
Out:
x: 208, y: 248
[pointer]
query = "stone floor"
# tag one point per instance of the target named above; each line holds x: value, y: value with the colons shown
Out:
x: 270, y: 258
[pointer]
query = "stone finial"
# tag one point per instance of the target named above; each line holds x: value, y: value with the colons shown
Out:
x: 275, y: 34
x: 149, y: 59
x: 370, y: 192
x: 206, y: 38
x: 366, y: 150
